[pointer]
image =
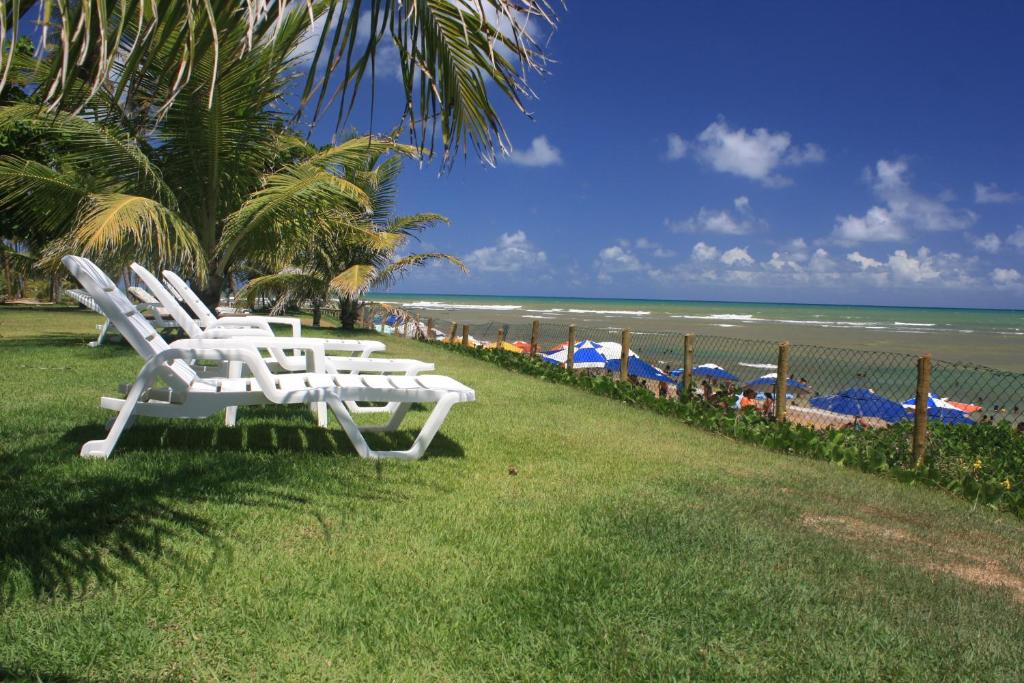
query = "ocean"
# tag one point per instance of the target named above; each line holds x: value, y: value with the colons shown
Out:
x: 993, y: 338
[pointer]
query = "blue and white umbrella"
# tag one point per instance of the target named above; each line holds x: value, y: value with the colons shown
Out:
x: 586, y: 354
x: 637, y: 367
x: 941, y: 410
x: 709, y: 370
x: 767, y: 383
x: 862, y: 403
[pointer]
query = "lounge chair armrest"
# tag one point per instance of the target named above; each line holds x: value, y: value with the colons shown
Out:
x: 241, y: 322
x: 232, y: 351
x: 236, y: 332
x: 293, y: 323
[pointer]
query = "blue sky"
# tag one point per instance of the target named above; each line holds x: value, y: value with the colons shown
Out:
x: 863, y: 152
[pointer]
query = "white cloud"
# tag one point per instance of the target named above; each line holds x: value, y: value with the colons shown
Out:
x: 1017, y: 238
x: 904, y: 210
x: 780, y: 261
x: 704, y: 252
x: 877, y: 225
x: 991, y: 194
x: 512, y: 253
x: 755, y: 155
x: 741, y: 221
x: 1005, y: 277
x: 540, y: 153
x: 989, y: 243
x: 676, y: 147
x: 912, y: 269
x: 736, y: 255
x: 822, y: 264
x: 864, y: 262
x: 617, y: 260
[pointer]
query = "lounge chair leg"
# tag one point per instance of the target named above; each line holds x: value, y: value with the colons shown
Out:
x: 231, y: 412
x: 393, y: 423
x: 103, y: 333
x: 102, y: 448
x: 419, y: 446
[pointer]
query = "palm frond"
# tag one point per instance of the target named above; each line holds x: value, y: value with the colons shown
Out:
x: 292, y: 201
x: 92, y: 148
x: 118, y: 228
x: 450, y: 53
x: 354, y: 280
x: 391, y: 273
x: 37, y: 202
x: 288, y: 285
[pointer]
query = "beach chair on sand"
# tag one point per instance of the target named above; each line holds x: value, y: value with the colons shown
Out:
x: 188, y: 394
x: 159, y: 319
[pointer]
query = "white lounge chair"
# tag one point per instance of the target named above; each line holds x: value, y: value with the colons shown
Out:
x: 208, y: 320
x: 187, y: 394
x: 278, y: 360
x: 159, y: 319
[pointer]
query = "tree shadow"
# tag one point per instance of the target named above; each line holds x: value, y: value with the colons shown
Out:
x: 68, y: 525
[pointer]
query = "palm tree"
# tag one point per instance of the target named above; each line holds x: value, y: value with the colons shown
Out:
x: 450, y: 53
x: 342, y: 259
x: 130, y: 179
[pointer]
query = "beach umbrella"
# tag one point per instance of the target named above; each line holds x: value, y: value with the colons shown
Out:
x: 966, y: 407
x: 767, y: 383
x: 523, y: 346
x: 586, y: 354
x: 941, y: 410
x: 862, y: 403
x: 638, y: 367
x: 612, y: 350
x: 504, y: 346
x: 709, y: 370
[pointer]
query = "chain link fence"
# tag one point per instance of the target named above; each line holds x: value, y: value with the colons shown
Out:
x: 826, y: 387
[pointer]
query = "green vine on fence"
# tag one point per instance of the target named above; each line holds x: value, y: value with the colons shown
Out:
x: 984, y: 463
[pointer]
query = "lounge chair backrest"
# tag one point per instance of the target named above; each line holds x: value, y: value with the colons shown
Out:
x: 167, y: 300
x: 143, y: 296
x: 132, y: 325
x: 205, y: 315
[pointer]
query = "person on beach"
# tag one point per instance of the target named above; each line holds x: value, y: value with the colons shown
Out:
x: 768, y: 407
x: 748, y: 399
x: 663, y: 389
x: 705, y: 388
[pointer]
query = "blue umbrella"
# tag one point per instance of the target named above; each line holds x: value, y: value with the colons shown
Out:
x: 941, y: 410
x: 767, y: 382
x: 586, y: 354
x: 709, y: 370
x: 861, y: 402
x: 637, y: 367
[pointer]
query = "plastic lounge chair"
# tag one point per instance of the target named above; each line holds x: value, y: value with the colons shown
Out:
x: 278, y: 360
x: 187, y: 394
x: 159, y: 320
x: 206, y: 317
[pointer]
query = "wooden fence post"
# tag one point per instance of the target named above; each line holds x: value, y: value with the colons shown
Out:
x: 451, y: 334
x: 924, y: 380
x: 501, y: 337
x: 780, y: 382
x: 534, y: 333
x: 570, y: 350
x: 465, y: 335
x: 416, y: 326
x: 624, y: 357
x: 430, y: 329
x: 688, y: 366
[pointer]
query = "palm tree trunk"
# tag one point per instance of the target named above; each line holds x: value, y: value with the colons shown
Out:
x: 349, y: 313
x: 317, y: 311
x: 210, y: 294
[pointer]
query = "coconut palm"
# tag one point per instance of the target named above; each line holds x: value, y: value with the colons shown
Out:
x: 340, y: 260
x: 123, y: 181
x: 450, y: 53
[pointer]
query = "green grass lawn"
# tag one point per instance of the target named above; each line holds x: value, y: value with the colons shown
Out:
x: 627, y: 546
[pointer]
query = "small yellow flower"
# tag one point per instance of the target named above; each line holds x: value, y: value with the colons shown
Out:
x: 1006, y: 483
x: 977, y: 465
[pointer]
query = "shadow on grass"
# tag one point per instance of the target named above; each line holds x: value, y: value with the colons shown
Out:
x: 67, y: 526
